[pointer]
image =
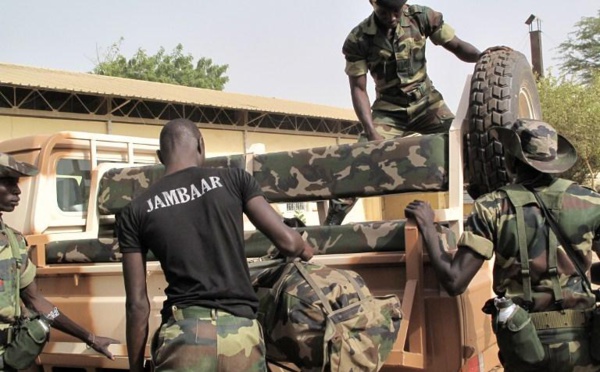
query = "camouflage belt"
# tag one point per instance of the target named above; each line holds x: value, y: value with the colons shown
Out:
x: 197, y: 312
x: 560, y: 319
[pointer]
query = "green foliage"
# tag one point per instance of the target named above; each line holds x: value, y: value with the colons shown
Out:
x: 573, y: 109
x: 174, y: 68
x: 581, y: 51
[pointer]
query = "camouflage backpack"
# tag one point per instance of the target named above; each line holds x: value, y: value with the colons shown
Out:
x: 324, y: 319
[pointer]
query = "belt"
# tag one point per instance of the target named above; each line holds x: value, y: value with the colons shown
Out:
x: 560, y: 319
x: 197, y: 312
x: 406, y: 98
x: 420, y: 91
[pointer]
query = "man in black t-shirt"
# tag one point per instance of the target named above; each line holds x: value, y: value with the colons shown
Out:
x: 191, y: 220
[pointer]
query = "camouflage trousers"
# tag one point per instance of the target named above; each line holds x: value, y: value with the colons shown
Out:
x: 428, y: 115
x: 567, y: 349
x: 208, y: 340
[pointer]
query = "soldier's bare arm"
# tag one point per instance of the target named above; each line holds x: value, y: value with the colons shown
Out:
x: 454, y: 272
x: 463, y: 50
x: 362, y: 105
x: 467, y: 52
x: 137, y: 308
x: 287, y: 240
x: 34, y: 300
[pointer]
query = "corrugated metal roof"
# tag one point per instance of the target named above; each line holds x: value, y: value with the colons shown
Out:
x: 77, y: 82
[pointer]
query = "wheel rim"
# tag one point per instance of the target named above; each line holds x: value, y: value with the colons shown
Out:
x: 526, y: 108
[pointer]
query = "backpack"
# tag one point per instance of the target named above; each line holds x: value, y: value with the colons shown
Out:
x: 324, y: 319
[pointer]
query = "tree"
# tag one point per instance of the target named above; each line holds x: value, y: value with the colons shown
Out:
x: 581, y: 51
x: 175, y: 68
x: 573, y: 109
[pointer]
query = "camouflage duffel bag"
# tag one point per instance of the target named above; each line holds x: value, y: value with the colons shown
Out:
x: 324, y: 319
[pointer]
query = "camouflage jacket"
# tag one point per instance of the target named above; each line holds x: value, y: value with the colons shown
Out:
x: 492, y: 229
x: 399, y: 65
x: 8, y: 271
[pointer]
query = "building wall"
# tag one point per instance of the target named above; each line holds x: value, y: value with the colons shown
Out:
x: 16, y: 126
x: 218, y: 141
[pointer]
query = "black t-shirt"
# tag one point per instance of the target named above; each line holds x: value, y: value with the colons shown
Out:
x: 192, y: 221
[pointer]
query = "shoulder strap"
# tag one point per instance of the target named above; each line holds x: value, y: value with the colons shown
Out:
x: 314, y: 286
x: 552, y: 198
x: 519, y: 196
x: 14, y: 246
x: 565, y: 243
x: 302, y: 270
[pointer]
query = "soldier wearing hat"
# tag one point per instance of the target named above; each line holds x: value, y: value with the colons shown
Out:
x: 390, y: 44
x: 14, y: 290
x: 532, y: 269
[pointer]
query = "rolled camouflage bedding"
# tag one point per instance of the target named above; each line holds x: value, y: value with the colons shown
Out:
x: 351, y: 170
x: 355, y: 170
x: 363, y: 237
x: 359, y: 169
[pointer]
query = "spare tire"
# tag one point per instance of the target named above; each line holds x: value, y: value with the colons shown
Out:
x: 503, y: 89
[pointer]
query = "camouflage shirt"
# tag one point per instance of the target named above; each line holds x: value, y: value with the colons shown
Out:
x: 397, y: 65
x: 492, y: 229
x: 8, y: 269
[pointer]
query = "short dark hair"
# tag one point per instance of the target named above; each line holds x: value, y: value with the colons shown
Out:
x: 175, y: 133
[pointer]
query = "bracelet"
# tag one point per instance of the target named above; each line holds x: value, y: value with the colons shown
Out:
x: 89, y: 344
x: 53, y: 314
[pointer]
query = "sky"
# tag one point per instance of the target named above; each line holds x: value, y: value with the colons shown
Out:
x: 274, y: 48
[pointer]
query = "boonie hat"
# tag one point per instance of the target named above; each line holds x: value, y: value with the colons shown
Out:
x: 11, y: 168
x: 536, y: 143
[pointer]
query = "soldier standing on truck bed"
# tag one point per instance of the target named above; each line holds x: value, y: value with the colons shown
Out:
x: 544, y: 312
x: 17, y: 324
x: 191, y: 219
x: 390, y: 44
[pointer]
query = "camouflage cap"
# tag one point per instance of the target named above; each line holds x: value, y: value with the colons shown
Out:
x: 536, y: 143
x: 11, y: 168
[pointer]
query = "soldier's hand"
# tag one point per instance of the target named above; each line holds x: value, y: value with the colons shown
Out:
x: 100, y: 344
x: 374, y: 136
x: 421, y: 211
x: 307, y: 253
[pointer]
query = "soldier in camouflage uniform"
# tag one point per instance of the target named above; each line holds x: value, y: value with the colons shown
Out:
x: 191, y: 220
x: 509, y: 224
x: 11, y: 311
x: 390, y: 44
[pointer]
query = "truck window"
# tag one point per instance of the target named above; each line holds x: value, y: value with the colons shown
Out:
x: 73, y: 177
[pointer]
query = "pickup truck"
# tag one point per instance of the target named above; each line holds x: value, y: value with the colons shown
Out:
x: 67, y: 214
